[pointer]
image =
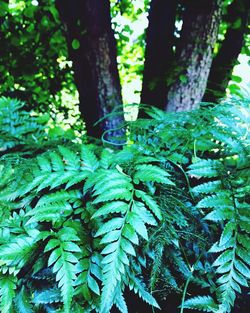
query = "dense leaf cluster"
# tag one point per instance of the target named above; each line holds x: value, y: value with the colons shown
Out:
x: 81, y: 224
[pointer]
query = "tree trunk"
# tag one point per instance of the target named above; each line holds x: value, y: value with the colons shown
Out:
x: 159, y: 51
x: 194, y: 55
x: 226, y: 59
x: 92, y: 48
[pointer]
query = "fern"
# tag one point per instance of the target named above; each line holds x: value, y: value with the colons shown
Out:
x: 63, y: 260
x: 138, y: 286
x: 17, y: 252
x: 151, y: 173
x: 18, y: 128
x: 22, y: 301
x: 231, y: 265
x: 120, y: 233
x: 201, y: 303
x: 80, y: 223
x: 7, y: 292
x: 46, y: 296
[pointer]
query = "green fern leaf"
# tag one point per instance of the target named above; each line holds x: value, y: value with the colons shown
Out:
x: 115, y: 223
x: 89, y: 160
x: 216, y: 201
x: 59, y: 196
x: 150, y: 202
x: 151, y: 173
x: 110, y: 180
x: 224, y: 268
x: 51, y: 212
x: 70, y: 159
x: 46, y: 296
x: 204, y: 303
x: 120, y: 183
x: 114, y: 194
x: 63, y: 259
x: 119, y: 301
x: 220, y: 214
x: 89, y: 270
x: 205, y: 168
x: 139, y: 226
x: 207, y: 188
x: 44, y: 164
x: 224, y: 257
x: 18, y: 252
x: 22, y: 302
x: 145, y: 215
x: 130, y: 233
x: 242, y: 268
x: 117, y: 247
x: 227, y: 233
x: 138, y: 286
x: 56, y: 162
x: 7, y: 292
x: 216, y: 247
x: 112, y: 207
x: 244, y: 255
x: 77, y: 179
x: 244, y: 240
x: 93, y: 179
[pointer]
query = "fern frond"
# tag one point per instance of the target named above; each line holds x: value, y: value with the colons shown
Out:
x: 7, y: 292
x: 88, y: 159
x: 119, y: 245
x: 208, y: 188
x: 89, y: 270
x: 138, y: 286
x: 70, y: 159
x: 205, y: 168
x: 51, y: 212
x: 63, y: 259
x: 47, y: 296
x: 220, y: 200
x: 201, y: 303
x: 59, y: 196
x: 112, y: 207
x: 151, y: 173
x: 17, y: 252
x: 122, y: 193
x: 119, y: 301
x: 150, y: 203
x: 22, y: 301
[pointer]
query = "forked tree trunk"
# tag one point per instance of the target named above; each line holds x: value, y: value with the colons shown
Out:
x: 194, y: 55
x: 159, y: 51
x: 92, y: 48
x: 226, y: 59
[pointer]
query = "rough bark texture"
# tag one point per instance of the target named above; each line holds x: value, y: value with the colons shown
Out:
x: 195, y: 52
x: 159, y: 51
x: 88, y: 22
x: 226, y: 59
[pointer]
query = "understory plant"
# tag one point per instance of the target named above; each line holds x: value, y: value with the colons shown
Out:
x: 82, y: 225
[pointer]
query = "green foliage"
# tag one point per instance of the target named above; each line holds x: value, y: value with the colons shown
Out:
x: 208, y: 150
x: 24, y: 132
x: 80, y: 217
x: 82, y: 223
x: 34, y: 65
x: 17, y: 126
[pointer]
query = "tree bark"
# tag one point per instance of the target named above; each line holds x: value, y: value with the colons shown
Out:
x: 226, y: 59
x: 194, y: 55
x: 92, y: 48
x: 159, y: 51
